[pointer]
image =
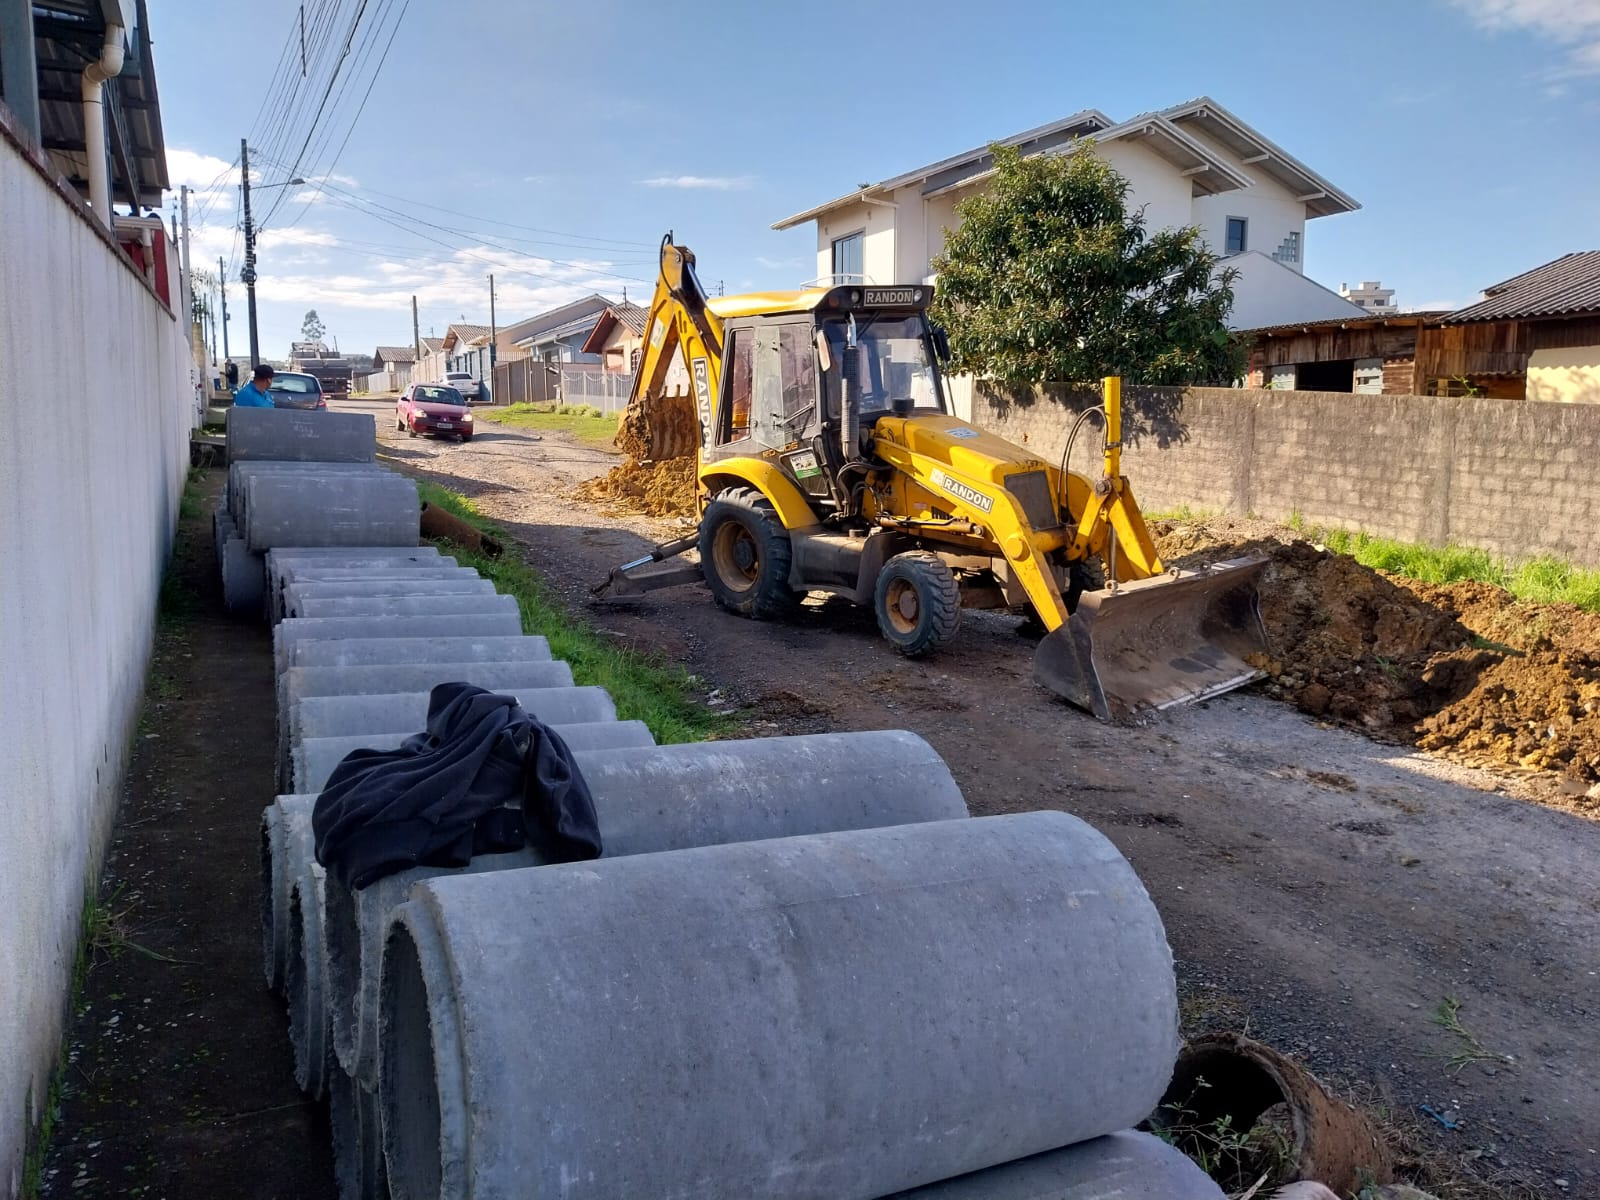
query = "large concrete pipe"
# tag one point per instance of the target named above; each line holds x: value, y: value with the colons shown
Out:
x: 290, y: 871
x: 286, y: 633
x: 667, y: 798
x: 286, y: 845
x: 281, y: 570
x: 299, y: 682
x: 377, y: 652
x: 407, y: 606
x: 844, y: 1015
x: 465, y: 583
x: 389, y: 678
x: 409, y: 571
x: 244, y: 579
x: 241, y: 474
x: 357, y: 1140
x: 312, y: 761
x: 281, y: 435
x: 353, y: 509
x: 1119, y: 1166
x: 305, y: 982
x: 342, y: 716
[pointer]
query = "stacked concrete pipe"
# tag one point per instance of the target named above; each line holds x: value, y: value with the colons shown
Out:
x: 307, y: 480
x: 845, y: 1015
x: 665, y: 798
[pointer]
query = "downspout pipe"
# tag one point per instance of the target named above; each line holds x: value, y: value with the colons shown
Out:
x: 108, y: 66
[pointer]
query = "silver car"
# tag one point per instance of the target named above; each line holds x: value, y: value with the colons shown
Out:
x: 291, y: 389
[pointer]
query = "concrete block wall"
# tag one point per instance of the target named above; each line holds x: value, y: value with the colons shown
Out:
x: 94, y: 374
x: 1516, y: 478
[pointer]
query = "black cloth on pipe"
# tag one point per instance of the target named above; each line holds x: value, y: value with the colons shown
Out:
x: 485, y: 777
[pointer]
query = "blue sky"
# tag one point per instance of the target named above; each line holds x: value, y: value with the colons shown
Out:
x: 566, y: 138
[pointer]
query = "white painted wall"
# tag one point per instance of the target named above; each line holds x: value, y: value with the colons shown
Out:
x: 1157, y: 186
x: 94, y: 373
x: 1269, y: 293
x: 1570, y: 375
x: 878, y: 223
x: 1269, y: 207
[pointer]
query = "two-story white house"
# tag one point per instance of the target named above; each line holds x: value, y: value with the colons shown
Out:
x: 1192, y: 164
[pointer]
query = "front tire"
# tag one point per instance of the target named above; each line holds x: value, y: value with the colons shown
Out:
x: 917, y: 602
x: 745, y: 556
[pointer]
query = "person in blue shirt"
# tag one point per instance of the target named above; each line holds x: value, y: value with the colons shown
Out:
x: 256, y: 393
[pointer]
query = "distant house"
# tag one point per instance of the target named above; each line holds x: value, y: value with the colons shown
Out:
x: 1372, y: 353
x: 1534, y: 336
x: 466, y: 348
x: 1192, y: 164
x: 617, y: 337
x: 430, y: 366
x: 559, y: 334
x: 392, y: 368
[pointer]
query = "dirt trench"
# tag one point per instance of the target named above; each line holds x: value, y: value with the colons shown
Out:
x: 1464, y: 670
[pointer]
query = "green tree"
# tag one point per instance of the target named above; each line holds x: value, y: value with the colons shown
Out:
x: 312, y: 328
x: 1050, y: 278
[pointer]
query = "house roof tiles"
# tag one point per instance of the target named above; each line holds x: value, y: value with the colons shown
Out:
x: 1566, y: 287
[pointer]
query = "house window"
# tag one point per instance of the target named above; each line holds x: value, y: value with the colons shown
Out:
x: 848, y: 258
x: 1288, y: 250
x: 633, y: 360
x: 1238, y: 241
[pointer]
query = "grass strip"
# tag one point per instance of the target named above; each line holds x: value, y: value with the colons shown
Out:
x: 645, y: 687
x: 1543, y: 580
x: 583, y: 421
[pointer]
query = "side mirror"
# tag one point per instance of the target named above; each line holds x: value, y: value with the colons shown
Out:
x: 941, y: 343
x: 824, y: 352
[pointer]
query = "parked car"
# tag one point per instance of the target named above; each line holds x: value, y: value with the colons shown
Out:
x: 291, y: 389
x: 434, y: 408
x: 475, y: 391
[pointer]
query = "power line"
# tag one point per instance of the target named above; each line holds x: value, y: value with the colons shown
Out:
x: 327, y: 171
x: 344, y: 199
x: 323, y: 103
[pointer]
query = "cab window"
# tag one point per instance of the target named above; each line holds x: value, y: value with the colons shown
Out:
x: 740, y: 387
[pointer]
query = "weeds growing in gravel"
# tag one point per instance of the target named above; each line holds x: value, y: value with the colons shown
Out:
x: 644, y: 687
x: 584, y: 421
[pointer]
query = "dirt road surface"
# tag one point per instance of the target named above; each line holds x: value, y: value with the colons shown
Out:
x: 1323, y: 891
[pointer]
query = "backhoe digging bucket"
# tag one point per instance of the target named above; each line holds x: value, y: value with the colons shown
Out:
x: 1158, y: 642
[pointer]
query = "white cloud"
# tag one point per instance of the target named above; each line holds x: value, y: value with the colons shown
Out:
x: 1572, y: 23
x: 719, y: 183
x: 194, y: 168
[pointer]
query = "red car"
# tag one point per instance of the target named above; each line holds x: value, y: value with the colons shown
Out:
x: 433, y: 408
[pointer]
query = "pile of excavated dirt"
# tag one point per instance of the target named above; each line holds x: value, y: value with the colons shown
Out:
x: 1463, y: 670
x: 658, y: 489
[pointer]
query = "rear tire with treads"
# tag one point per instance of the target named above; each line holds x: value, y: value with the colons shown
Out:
x: 745, y: 556
x: 917, y: 602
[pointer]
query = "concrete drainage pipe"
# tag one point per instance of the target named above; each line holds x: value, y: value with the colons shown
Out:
x: 286, y: 634
x: 666, y: 798
x: 357, y: 1142
x: 1120, y: 1166
x: 844, y: 1015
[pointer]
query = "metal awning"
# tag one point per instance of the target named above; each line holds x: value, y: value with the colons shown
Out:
x: 67, y: 37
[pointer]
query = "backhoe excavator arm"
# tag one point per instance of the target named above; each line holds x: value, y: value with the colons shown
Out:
x: 656, y: 427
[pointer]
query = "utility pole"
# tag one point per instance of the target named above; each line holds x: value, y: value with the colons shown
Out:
x: 416, y: 332
x: 249, y: 272
x: 491, y: 327
x: 222, y: 282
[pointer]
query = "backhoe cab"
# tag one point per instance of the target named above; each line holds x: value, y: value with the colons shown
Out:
x: 829, y: 460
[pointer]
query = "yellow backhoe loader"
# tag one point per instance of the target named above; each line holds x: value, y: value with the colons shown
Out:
x: 828, y: 460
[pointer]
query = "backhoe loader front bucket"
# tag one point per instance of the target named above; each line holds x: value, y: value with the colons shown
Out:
x: 1174, y: 639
